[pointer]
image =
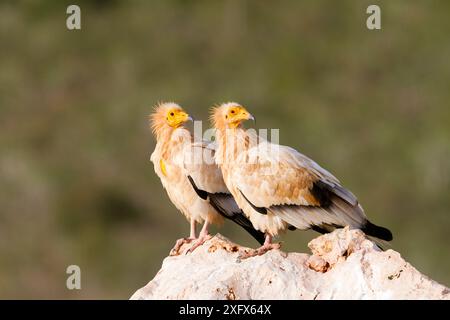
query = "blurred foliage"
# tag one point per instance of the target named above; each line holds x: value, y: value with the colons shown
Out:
x: 76, y: 184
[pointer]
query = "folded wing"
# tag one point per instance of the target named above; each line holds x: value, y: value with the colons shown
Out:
x: 280, y: 180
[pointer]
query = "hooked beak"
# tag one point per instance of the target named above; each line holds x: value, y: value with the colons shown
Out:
x: 245, y: 115
x: 184, y: 117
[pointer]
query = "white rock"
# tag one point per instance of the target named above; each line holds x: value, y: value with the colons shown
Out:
x: 344, y: 265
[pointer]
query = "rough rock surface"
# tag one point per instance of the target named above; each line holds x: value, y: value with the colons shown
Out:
x: 343, y: 265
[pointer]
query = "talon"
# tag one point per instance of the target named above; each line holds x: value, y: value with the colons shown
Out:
x: 201, y: 240
x: 268, y: 247
x: 247, y: 254
x: 178, y: 244
x: 260, y: 251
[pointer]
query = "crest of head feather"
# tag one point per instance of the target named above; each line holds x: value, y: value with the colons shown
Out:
x: 158, y: 117
x: 217, y: 114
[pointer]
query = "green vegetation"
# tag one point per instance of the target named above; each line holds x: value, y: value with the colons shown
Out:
x: 76, y: 183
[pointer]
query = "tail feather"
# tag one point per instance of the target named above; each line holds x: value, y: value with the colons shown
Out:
x: 228, y: 208
x: 376, y: 231
x: 258, y: 235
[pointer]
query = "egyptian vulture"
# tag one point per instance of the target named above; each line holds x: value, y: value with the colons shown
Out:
x: 190, y: 176
x: 279, y: 188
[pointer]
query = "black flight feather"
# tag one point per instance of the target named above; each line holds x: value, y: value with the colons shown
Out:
x: 226, y: 206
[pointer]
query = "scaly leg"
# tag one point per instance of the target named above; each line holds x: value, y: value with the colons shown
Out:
x: 267, y: 246
x: 203, y: 236
x: 193, y: 232
x: 180, y: 242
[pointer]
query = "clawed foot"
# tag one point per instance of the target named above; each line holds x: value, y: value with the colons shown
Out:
x: 267, y: 247
x: 201, y: 240
x: 180, y: 242
x: 260, y: 251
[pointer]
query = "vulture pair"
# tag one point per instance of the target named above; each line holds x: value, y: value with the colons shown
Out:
x: 265, y: 188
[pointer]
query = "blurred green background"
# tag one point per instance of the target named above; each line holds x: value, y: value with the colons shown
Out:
x: 76, y: 183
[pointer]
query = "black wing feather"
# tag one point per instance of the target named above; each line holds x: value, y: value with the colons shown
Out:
x: 261, y: 210
x: 227, y: 207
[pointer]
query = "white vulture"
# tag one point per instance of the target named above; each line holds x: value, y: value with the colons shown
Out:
x: 190, y: 176
x: 279, y: 188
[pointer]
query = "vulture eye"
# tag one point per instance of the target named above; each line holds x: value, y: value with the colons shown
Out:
x: 172, y: 114
x: 232, y: 111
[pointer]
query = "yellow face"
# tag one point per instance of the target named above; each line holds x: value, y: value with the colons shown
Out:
x: 236, y: 114
x: 176, y: 117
